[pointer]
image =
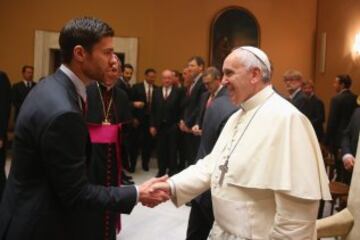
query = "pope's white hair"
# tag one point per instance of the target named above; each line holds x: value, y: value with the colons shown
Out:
x: 250, y: 58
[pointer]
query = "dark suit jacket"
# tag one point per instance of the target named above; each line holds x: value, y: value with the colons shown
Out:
x: 138, y: 94
x: 317, y: 116
x: 5, y: 101
x: 165, y: 112
x: 342, y: 107
x: 301, y: 102
x: 192, y: 108
x: 19, y: 93
x: 215, y: 117
x: 47, y: 185
x: 124, y: 86
x: 351, y: 135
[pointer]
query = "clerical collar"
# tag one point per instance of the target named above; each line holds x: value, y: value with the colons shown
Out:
x: 294, y: 93
x: 79, y: 85
x: 258, y: 99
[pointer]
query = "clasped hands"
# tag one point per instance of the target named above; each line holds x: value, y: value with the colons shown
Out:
x: 154, y: 191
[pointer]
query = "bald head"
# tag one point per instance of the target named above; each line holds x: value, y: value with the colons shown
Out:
x: 167, y: 78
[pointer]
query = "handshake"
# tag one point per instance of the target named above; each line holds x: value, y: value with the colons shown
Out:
x: 154, y: 191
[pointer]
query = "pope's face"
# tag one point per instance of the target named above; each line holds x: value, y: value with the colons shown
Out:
x: 238, y: 80
x: 100, y: 60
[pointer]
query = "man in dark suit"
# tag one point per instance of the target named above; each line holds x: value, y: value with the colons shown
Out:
x: 142, y: 95
x: 48, y: 186
x: 165, y: 115
x: 123, y: 83
x: 192, y: 108
x: 124, y: 80
x: 21, y: 89
x: 216, y: 108
x: 349, y: 145
x: 5, y: 101
x: 317, y: 111
x: 342, y: 107
x: 294, y: 81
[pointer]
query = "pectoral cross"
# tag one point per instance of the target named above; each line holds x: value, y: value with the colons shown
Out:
x: 223, y: 168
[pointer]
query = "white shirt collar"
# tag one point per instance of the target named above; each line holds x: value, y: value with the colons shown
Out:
x: 294, y: 93
x: 79, y: 85
x: 218, y: 90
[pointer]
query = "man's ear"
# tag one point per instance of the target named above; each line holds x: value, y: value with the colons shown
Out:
x: 79, y: 53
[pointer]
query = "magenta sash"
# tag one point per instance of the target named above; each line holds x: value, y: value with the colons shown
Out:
x: 108, y: 134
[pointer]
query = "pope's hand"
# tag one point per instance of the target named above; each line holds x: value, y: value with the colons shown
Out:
x: 151, y: 197
x: 163, y: 186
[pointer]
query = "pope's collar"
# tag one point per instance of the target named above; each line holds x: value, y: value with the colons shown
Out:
x: 258, y: 99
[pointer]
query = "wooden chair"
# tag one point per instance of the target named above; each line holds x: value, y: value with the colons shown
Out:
x: 339, y: 191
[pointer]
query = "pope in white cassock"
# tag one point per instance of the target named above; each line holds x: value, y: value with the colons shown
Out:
x: 266, y: 172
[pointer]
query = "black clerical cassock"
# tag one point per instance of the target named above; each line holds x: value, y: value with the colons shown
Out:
x: 108, y: 112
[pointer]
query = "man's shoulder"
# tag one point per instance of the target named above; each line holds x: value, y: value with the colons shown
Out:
x: 18, y: 84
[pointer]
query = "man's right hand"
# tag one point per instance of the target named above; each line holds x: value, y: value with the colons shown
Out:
x: 138, y: 104
x: 151, y: 197
x: 196, y: 130
x: 349, y: 162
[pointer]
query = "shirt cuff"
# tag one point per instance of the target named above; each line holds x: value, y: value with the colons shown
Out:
x: 347, y: 155
x: 137, y: 194
x: 172, y: 187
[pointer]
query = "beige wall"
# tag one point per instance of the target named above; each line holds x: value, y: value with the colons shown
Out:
x: 340, y: 20
x: 169, y: 32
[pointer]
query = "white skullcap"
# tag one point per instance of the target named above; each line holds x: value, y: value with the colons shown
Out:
x: 259, y: 54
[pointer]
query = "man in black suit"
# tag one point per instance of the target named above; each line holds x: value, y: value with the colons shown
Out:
x: 192, y: 108
x: 349, y: 145
x: 317, y: 111
x: 48, y: 186
x: 165, y: 115
x: 21, y: 89
x: 342, y: 107
x: 294, y: 81
x: 142, y: 95
x: 5, y: 101
x: 216, y: 108
x: 124, y: 80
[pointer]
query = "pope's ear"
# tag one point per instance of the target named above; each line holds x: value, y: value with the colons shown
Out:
x: 79, y: 53
x: 256, y: 75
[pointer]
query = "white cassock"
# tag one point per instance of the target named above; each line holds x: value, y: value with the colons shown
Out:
x: 275, y: 176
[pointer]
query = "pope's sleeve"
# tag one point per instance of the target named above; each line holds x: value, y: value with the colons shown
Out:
x: 295, y: 218
x: 192, y: 181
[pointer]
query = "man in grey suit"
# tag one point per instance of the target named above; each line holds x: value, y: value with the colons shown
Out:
x: 48, y: 186
x: 216, y: 108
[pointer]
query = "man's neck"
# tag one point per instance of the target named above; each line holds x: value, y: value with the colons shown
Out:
x: 76, y: 70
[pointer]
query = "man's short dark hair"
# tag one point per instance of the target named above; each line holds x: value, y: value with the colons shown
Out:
x: 213, y: 72
x: 199, y: 60
x: 345, y: 80
x: 128, y: 65
x: 150, y: 70
x: 84, y: 31
x: 23, y: 69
